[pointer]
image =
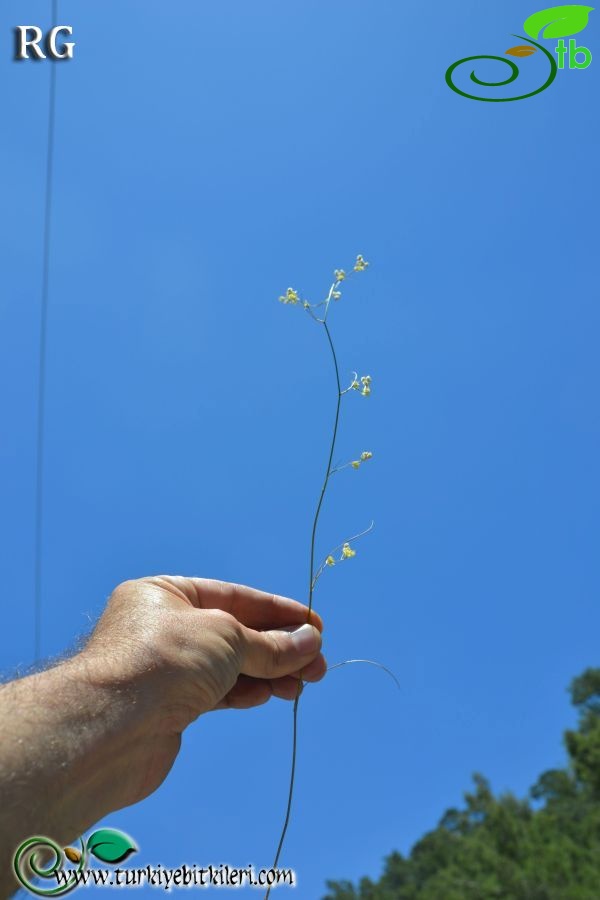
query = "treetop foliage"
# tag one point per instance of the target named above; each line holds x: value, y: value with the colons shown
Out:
x: 544, y: 847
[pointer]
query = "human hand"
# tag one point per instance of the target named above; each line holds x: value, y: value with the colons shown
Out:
x: 101, y: 730
x: 185, y: 646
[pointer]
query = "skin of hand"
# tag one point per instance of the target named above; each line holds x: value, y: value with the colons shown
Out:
x: 101, y: 730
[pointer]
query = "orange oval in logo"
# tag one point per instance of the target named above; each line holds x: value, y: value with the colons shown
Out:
x: 521, y: 50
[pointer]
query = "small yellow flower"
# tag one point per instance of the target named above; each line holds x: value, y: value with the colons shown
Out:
x: 361, y: 264
x: 355, y: 464
x: 355, y: 385
x: 366, y: 454
x: 366, y: 380
x: 290, y: 296
x: 330, y: 561
x: 347, y: 552
x: 339, y: 274
x: 366, y: 391
x: 336, y: 295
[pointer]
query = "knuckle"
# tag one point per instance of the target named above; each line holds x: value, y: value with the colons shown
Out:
x: 129, y: 584
x: 225, y: 624
x: 276, y: 656
x: 122, y: 589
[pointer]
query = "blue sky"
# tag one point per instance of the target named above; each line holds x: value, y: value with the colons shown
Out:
x: 208, y: 156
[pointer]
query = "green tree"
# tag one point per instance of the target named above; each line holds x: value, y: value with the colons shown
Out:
x: 544, y: 847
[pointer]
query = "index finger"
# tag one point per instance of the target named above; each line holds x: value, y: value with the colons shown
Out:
x: 253, y: 608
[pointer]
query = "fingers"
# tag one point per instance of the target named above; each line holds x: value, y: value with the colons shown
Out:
x: 253, y: 608
x: 275, y: 653
x: 246, y: 693
x: 314, y: 671
x: 249, y: 692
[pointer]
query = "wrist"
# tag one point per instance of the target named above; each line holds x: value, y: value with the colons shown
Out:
x: 67, y: 735
x: 105, y: 722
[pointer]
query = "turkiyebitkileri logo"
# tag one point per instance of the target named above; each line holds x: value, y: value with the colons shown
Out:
x: 548, y: 24
x: 107, y: 844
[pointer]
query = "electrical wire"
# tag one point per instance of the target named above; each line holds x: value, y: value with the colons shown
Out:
x: 41, y: 405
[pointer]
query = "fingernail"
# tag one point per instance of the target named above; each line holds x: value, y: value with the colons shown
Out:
x: 306, y: 639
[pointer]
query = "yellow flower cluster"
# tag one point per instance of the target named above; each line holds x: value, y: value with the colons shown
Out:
x: 364, y: 385
x: 364, y: 456
x: 330, y: 561
x: 290, y: 296
x: 348, y: 552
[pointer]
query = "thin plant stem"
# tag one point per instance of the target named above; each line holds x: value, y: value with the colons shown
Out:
x: 328, y: 471
x: 370, y: 662
x: 311, y: 584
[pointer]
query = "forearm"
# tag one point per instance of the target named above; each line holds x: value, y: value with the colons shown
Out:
x: 66, y: 733
x: 101, y: 731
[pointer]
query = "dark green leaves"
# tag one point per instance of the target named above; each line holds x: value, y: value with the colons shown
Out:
x: 110, y: 845
x: 499, y: 846
x: 558, y: 21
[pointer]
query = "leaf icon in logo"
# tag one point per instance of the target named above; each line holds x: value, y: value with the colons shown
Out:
x: 558, y: 21
x: 521, y: 50
x: 110, y: 845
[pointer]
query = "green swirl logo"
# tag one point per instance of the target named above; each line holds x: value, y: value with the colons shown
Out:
x: 106, y: 844
x: 555, y: 22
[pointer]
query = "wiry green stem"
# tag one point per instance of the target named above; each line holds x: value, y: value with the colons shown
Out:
x: 328, y: 472
x: 311, y: 588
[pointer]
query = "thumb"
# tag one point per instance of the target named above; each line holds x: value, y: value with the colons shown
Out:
x: 271, y: 654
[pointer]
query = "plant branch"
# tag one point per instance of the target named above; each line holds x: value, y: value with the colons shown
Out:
x: 311, y: 582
